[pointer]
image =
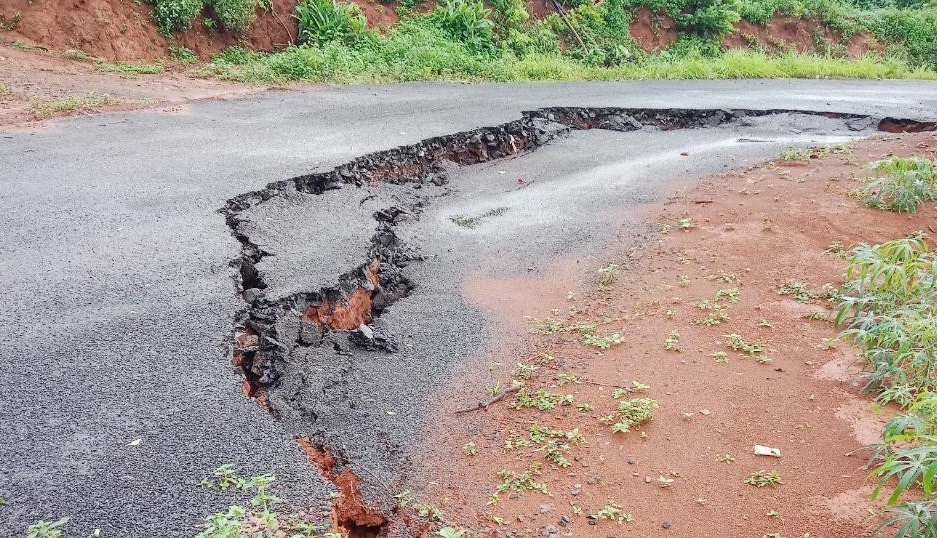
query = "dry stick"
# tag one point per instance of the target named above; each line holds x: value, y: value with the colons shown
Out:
x: 479, y: 405
x: 277, y: 17
x: 569, y: 25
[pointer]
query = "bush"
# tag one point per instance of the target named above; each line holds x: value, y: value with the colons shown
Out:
x: 465, y: 20
x: 235, y: 15
x: 900, y: 185
x: 182, y: 55
x: 175, y: 15
x: 324, y: 21
x: 711, y: 18
x: 914, y: 29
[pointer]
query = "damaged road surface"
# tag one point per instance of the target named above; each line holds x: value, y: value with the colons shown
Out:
x: 343, y: 320
x: 346, y: 317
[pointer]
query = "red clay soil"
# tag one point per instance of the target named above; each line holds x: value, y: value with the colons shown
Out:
x: 32, y: 80
x: 784, y: 32
x: 123, y: 30
x: 653, y: 31
x: 754, y: 231
x: 349, y: 315
x: 350, y: 516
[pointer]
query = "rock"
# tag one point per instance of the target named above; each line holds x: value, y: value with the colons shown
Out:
x: 631, y: 460
x: 549, y: 531
x: 564, y: 520
x: 648, y: 479
x: 576, y: 489
x: 252, y: 294
x: 544, y: 508
x: 665, y: 525
x: 309, y: 334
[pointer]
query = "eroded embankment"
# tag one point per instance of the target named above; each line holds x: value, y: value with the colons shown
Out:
x: 341, y: 316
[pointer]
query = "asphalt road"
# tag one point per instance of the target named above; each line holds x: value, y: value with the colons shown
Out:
x: 118, y: 299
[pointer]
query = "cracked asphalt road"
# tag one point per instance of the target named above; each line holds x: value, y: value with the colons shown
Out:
x: 119, y: 299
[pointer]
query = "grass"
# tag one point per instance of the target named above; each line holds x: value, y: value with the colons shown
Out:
x: 70, y: 105
x: 764, y: 478
x: 140, y: 68
x: 341, y: 65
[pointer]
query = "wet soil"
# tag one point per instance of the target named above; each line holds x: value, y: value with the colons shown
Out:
x: 754, y: 231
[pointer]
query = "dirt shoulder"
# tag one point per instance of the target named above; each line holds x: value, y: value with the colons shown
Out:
x: 37, y: 86
x: 746, y: 236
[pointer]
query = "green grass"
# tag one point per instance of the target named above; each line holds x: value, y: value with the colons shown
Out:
x: 140, y: 68
x: 451, y: 61
x: 70, y: 105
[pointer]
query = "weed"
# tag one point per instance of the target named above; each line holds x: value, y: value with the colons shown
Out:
x: 773, y: 514
x: 515, y: 441
x: 729, y: 294
x: 603, y: 342
x: 717, y: 313
x: 404, y: 498
x: 584, y: 407
x: 451, y: 532
x: 737, y: 343
x: 764, y: 478
x: 672, y: 342
x: 467, y: 21
x: 664, y: 482
x: 608, y: 275
x: 8, y: 25
x: 631, y: 413
x: 725, y: 458
x: 688, y: 415
x: 183, y: 55
x: 613, y: 512
x: 901, y: 184
x: 523, y: 371
x: 470, y: 448
x: 542, y: 400
x: 131, y: 69
x: 70, y: 105
x: 798, y: 290
x: 796, y: 154
x: 720, y: 356
x: 175, y: 15
x: 686, y: 224
x: 75, y: 54
x: 636, y: 386
x: 521, y: 483
x: 235, y: 15
x: 765, y: 323
x: 43, y: 529
x: 430, y: 512
x: 325, y: 21
x: 565, y: 379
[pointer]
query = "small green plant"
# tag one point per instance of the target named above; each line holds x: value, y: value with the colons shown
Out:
x: 542, y: 400
x: 672, y: 342
x: 608, y: 275
x: 140, y: 68
x: 901, y: 184
x: 183, y: 55
x: 43, y: 529
x: 664, y: 481
x: 584, y: 407
x: 325, y: 21
x: 798, y: 290
x: 521, y: 483
x: 404, y: 498
x: 796, y: 154
x: 603, y: 342
x: 636, y: 386
x: 235, y: 15
x: 613, y: 512
x: 632, y: 413
x: 729, y: 294
x: 721, y: 357
x: 467, y: 21
x: 470, y: 448
x: 725, y: 458
x: 75, y: 54
x: 451, y: 532
x: 737, y: 343
x: 764, y: 478
x: 175, y: 15
x: 8, y: 25
x: 686, y: 223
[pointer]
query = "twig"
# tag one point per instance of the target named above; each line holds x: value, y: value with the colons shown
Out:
x: 496, y: 399
x: 562, y: 13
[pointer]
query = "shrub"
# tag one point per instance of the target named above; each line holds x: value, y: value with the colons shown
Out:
x: 914, y: 29
x: 711, y: 18
x: 235, y: 15
x: 182, y: 55
x: 175, y: 15
x: 324, y: 21
x: 465, y: 20
x: 899, y: 184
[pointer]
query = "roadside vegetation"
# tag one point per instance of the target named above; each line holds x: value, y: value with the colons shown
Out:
x: 465, y: 40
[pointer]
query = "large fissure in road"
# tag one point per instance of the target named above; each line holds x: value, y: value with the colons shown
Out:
x: 340, y: 319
